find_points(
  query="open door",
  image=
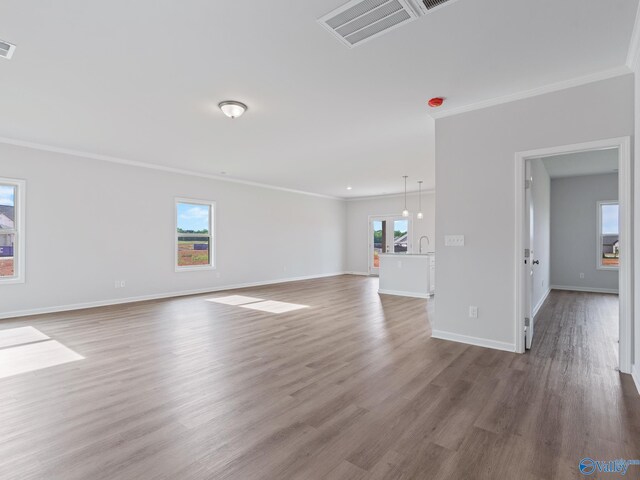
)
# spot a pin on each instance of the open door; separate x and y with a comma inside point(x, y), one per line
point(529, 258)
point(378, 243)
point(387, 234)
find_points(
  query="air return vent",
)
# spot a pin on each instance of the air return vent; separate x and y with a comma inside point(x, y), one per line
point(430, 4)
point(6, 49)
point(361, 20)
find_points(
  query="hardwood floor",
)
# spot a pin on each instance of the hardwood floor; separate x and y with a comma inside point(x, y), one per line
point(352, 387)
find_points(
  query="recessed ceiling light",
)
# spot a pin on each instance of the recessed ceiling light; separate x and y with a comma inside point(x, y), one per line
point(349, 187)
point(6, 49)
point(232, 109)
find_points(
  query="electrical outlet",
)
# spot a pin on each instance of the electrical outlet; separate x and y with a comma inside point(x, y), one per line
point(473, 311)
point(454, 240)
point(581, 275)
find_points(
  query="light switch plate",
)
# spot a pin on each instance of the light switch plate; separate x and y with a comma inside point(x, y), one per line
point(454, 240)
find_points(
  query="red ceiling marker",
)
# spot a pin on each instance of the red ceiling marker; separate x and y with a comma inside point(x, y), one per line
point(436, 102)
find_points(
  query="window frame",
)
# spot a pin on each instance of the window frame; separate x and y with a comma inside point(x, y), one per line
point(19, 230)
point(211, 235)
point(599, 234)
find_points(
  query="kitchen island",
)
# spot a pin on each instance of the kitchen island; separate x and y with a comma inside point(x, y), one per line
point(407, 274)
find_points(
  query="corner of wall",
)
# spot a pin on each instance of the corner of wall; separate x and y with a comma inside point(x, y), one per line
point(635, 374)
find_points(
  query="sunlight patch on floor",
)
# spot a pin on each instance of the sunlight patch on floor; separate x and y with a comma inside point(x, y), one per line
point(234, 300)
point(273, 306)
point(20, 335)
point(26, 349)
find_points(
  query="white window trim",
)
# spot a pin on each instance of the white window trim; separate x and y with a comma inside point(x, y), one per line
point(212, 235)
point(599, 265)
point(19, 250)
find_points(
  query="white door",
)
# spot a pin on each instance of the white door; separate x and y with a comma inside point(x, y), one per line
point(529, 255)
point(387, 234)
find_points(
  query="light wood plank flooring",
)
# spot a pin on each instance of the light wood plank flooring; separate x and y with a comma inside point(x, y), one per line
point(352, 387)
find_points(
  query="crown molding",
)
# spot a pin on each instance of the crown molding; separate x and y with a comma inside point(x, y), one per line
point(151, 166)
point(633, 54)
point(413, 193)
point(553, 87)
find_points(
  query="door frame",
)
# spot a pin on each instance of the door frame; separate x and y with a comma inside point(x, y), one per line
point(529, 242)
point(623, 144)
point(392, 217)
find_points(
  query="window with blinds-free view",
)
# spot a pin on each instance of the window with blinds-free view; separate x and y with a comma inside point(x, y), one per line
point(194, 246)
point(11, 231)
point(608, 235)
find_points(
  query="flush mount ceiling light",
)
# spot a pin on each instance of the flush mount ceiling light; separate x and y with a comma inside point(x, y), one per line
point(349, 187)
point(405, 212)
point(232, 109)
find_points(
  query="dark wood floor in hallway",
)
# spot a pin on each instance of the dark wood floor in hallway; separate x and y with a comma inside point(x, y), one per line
point(352, 387)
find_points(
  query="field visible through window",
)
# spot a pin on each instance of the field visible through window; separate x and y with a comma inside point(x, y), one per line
point(193, 252)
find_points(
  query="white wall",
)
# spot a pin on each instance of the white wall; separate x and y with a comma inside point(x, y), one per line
point(91, 222)
point(475, 194)
point(574, 227)
point(358, 212)
point(541, 193)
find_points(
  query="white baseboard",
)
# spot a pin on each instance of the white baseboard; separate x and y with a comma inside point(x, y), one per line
point(404, 294)
point(584, 289)
point(156, 296)
point(635, 374)
point(364, 274)
point(480, 342)
point(537, 308)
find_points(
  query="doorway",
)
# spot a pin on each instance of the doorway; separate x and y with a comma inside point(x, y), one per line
point(527, 257)
point(387, 234)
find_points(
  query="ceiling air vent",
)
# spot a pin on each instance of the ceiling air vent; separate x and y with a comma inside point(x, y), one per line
point(361, 20)
point(6, 49)
point(430, 4)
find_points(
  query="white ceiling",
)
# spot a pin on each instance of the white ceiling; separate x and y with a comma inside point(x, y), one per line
point(140, 80)
point(582, 163)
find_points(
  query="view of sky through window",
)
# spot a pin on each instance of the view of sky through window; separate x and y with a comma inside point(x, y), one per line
point(193, 217)
point(609, 219)
point(7, 195)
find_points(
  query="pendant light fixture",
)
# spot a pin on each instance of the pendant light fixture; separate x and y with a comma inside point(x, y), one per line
point(420, 214)
point(405, 212)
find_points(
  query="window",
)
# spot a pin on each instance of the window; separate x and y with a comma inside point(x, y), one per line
point(12, 231)
point(608, 236)
point(194, 234)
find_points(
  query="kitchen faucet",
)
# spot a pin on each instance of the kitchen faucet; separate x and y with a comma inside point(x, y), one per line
point(420, 242)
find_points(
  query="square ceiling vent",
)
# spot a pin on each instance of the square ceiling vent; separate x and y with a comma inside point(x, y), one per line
point(362, 20)
point(6, 49)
